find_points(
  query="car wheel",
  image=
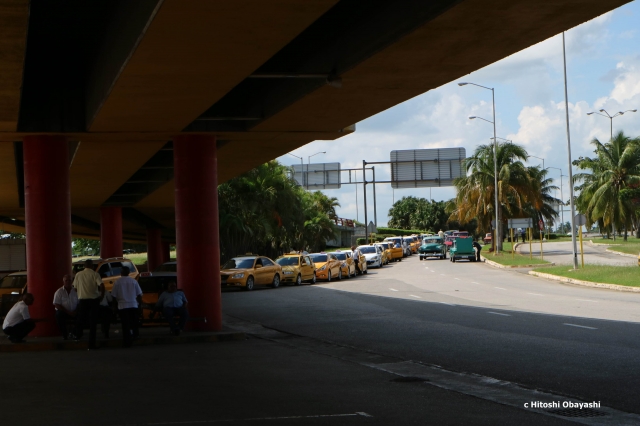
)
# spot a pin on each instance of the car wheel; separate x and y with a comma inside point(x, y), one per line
point(249, 285)
point(276, 281)
point(329, 276)
point(298, 280)
point(314, 279)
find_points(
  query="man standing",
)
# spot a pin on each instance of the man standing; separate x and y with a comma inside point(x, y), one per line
point(129, 295)
point(355, 253)
point(171, 303)
point(65, 300)
point(18, 323)
point(90, 290)
point(441, 234)
point(478, 248)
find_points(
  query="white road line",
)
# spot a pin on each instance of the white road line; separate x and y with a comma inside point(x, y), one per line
point(473, 282)
point(500, 288)
point(457, 279)
point(587, 300)
point(417, 297)
point(445, 303)
point(581, 326)
point(432, 270)
point(442, 275)
point(536, 294)
point(498, 313)
point(392, 289)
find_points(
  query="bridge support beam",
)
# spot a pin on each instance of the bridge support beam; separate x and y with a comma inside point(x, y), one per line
point(110, 232)
point(154, 249)
point(48, 224)
point(196, 194)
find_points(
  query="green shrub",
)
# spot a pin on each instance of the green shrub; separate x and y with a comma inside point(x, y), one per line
point(361, 241)
point(398, 232)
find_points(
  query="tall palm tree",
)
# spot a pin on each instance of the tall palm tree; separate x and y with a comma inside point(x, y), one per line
point(475, 197)
point(615, 168)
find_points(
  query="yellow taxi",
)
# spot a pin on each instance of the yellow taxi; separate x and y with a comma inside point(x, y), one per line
point(109, 269)
point(12, 287)
point(347, 265)
point(396, 248)
point(415, 243)
point(328, 266)
point(386, 252)
point(250, 270)
point(297, 268)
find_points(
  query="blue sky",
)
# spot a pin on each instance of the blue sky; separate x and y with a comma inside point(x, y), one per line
point(603, 68)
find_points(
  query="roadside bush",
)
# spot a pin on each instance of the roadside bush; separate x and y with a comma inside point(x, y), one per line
point(553, 236)
point(361, 241)
point(398, 232)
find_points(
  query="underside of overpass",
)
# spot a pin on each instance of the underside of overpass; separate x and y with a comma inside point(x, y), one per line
point(117, 83)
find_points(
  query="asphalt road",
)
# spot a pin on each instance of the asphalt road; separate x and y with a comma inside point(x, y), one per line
point(468, 317)
point(561, 253)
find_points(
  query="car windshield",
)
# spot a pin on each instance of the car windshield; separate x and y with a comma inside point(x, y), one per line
point(16, 281)
point(341, 256)
point(288, 261)
point(318, 258)
point(367, 249)
point(167, 267)
point(239, 263)
point(432, 240)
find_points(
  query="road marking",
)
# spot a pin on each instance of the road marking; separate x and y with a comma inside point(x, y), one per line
point(457, 279)
point(581, 326)
point(316, 416)
point(392, 289)
point(442, 275)
point(536, 294)
point(473, 282)
point(498, 313)
point(500, 288)
point(445, 303)
point(417, 297)
point(587, 300)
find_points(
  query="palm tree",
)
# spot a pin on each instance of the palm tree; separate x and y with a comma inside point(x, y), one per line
point(516, 189)
point(542, 207)
point(615, 168)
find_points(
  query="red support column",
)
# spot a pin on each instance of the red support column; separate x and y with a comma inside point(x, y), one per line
point(110, 232)
point(166, 252)
point(48, 223)
point(154, 249)
point(196, 186)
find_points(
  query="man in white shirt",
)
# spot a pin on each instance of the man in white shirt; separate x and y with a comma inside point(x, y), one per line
point(18, 323)
point(65, 300)
point(90, 290)
point(128, 293)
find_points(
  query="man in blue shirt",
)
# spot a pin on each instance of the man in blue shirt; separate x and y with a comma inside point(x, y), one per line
point(172, 302)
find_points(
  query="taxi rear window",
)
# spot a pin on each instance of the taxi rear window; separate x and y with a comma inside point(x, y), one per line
point(239, 263)
point(319, 257)
point(288, 261)
point(16, 281)
point(341, 256)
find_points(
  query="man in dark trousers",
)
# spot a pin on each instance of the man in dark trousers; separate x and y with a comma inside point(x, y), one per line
point(478, 248)
point(90, 291)
point(129, 296)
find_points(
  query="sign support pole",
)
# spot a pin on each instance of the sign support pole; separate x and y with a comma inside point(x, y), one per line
point(364, 186)
point(513, 250)
point(581, 248)
point(530, 232)
point(541, 254)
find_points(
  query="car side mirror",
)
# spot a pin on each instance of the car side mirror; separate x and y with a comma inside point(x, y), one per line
point(258, 266)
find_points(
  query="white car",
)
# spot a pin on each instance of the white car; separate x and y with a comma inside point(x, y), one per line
point(373, 254)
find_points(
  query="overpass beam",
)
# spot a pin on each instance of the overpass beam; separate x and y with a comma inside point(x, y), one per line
point(48, 223)
point(196, 194)
point(154, 248)
point(110, 232)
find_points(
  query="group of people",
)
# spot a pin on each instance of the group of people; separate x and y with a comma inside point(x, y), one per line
point(83, 301)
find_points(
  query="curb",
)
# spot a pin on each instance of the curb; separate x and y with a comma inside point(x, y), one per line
point(499, 266)
point(621, 254)
point(585, 283)
point(35, 346)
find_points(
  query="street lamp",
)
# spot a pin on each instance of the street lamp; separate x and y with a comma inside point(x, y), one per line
point(301, 166)
point(611, 117)
point(495, 155)
point(540, 158)
point(309, 162)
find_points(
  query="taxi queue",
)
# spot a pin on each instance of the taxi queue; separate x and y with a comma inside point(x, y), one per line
point(251, 270)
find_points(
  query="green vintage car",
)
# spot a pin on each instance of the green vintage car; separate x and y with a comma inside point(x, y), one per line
point(432, 247)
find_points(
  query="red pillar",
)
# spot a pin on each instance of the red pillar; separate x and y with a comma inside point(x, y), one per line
point(154, 249)
point(196, 186)
point(110, 232)
point(48, 223)
point(166, 252)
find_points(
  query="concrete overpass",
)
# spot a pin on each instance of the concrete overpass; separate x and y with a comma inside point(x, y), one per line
point(119, 118)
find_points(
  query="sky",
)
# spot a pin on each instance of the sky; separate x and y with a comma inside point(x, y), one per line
point(603, 71)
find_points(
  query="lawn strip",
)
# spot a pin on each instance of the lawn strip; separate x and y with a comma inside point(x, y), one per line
point(628, 276)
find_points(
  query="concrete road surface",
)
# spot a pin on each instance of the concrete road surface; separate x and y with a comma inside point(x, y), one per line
point(562, 254)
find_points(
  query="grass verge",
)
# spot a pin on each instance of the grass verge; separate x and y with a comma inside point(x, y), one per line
point(506, 259)
point(621, 275)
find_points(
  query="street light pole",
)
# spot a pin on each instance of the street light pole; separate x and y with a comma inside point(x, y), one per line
point(540, 158)
point(309, 162)
point(495, 160)
point(301, 166)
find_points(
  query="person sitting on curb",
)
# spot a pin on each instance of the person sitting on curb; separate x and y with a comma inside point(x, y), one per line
point(172, 302)
point(65, 300)
point(18, 323)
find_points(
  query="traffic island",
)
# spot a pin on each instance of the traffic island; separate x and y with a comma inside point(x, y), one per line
point(506, 261)
point(156, 336)
point(620, 278)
